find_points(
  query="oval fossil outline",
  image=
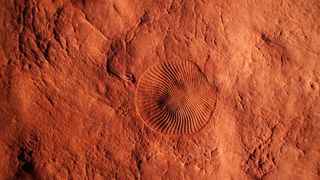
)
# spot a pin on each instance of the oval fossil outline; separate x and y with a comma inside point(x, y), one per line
point(174, 97)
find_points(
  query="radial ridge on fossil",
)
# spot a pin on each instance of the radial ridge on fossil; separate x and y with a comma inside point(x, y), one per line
point(174, 97)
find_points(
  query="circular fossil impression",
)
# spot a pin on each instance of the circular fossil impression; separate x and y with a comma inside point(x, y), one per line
point(175, 97)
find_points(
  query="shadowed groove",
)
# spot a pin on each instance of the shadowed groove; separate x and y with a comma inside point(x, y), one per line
point(179, 125)
point(173, 72)
point(170, 128)
point(161, 121)
point(154, 118)
point(174, 97)
point(166, 123)
point(196, 123)
point(201, 111)
point(169, 124)
point(186, 111)
point(166, 81)
point(158, 119)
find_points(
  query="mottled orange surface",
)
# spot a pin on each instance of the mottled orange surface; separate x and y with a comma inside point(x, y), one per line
point(69, 71)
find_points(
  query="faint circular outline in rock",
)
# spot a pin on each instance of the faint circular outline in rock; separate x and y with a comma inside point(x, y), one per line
point(174, 97)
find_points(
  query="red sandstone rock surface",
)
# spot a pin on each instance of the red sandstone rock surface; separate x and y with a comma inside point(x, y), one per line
point(69, 71)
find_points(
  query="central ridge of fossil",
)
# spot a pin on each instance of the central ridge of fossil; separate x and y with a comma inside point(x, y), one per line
point(174, 97)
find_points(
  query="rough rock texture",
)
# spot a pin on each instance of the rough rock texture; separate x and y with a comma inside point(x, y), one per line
point(69, 71)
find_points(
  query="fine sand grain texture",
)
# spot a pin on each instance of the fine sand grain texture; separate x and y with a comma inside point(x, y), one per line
point(160, 89)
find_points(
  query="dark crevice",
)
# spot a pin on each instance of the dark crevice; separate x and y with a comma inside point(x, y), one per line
point(56, 26)
point(144, 19)
point(42, 46)
point(26, 164)
point(266, 39)
point(113, 51)
point(21, 45)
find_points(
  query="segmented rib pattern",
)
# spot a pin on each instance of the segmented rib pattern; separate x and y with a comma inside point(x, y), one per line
point(174, 97)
